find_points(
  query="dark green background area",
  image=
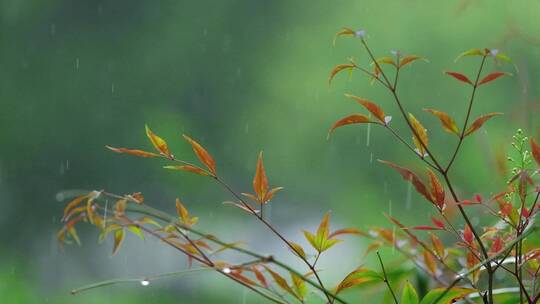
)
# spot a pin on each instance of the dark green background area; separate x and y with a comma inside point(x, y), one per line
point(240, 77)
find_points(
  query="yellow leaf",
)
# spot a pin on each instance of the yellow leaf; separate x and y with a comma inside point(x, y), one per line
point(411, 58)
point(420, 139)
point(344, 32)
point(203, 155)
point(298, 249)
point(281, 282)
point(159, 144)
point(447, 122)
point(118, 239)
point(430, 262)
point(370, 106)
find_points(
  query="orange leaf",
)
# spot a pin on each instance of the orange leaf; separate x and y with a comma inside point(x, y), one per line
point(158, 142)
point(447, 122)
point(430, 262)
point(270, 194)
point(468, 234)
point(281, 282)
point(346, 231)
point(182, 211)
point(411, 177)
point(344, 32)
point(460, 77)
point(188, 168)
point(338, 68)
point(139, 153)
point(370, 106)
point(260, 277)
point(437, 190)
point(202, 154)
point(437, 245)
point(420, 139)
point(74, 203)
point(438, 223)
point(411, 58)
point(260, 181)
point(491, 77)
point(535, 151)
point(477, 124)
point(351, 119)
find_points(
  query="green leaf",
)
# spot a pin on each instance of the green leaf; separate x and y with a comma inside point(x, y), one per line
point(409, 295)
point(311, 239)
point(452, 294)
point(471, 52)
point(136, 230)
point(118, 239)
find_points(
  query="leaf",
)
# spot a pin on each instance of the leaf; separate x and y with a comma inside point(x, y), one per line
point(260, 277)
point(409, 59)
point(188, 168)
point(299, 285)
point(420, 139)
point(468, 234)
point(437, 190)
point(281, 282)
point(438, 223)
point(344, 32)
point(260, 181)
point(371, 107)
point(346, 231)
point(453, 294)
point(242, 278)
point(159, 144)
point(338, 68)
point(503, 57)
point(385, 60)
point(270, 194)
point(411, 177)
point(471, 52)
point(491, 77)
point(535, 151)
point(425, 228)
point(357, 277)
point(477, 124)
point(310, 237)
point(136, 230)
point(202, 154)
point(139, 153)
point(459, 77)
point(118, 239)
point(71, 205)
point(437, 245)
point(351, 119)
point(297, 249)
point(409, 295)
point(447, 122)
point(73, 233)
point(182, 212)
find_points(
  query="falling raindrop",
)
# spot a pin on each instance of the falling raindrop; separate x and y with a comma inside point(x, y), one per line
point(112, 88)
point(368, 135)
point(145, 282)
point(408, 198)
point(77, 63)
point(244, 295)
point(53, 29)
point(371, 158)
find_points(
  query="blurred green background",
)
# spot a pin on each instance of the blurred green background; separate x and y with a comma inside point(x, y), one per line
point(240, 77)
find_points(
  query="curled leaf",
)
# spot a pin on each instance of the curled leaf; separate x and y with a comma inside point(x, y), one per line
point(357, 277)
point(202, 154)
point(460, 77)
point(491, 77)
point(281, 282)
point(159, 143)
point(139, 153)
point(351, 119)
point(338, 68)
point(471, 52)
point(118, 239)
point(371, 107)
point(385, 60)
point(409, 59)
point(447, 122)
point(477, 124)
point(344, 32)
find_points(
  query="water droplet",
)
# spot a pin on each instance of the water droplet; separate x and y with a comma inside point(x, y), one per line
point(145, 282)
point(368, 134)
point(226, 270)
point(112, 88)
point(77, 63)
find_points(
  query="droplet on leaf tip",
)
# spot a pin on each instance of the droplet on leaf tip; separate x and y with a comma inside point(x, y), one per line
point(145, 282)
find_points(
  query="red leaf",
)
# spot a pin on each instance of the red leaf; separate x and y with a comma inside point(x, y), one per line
point(139, 153)
point(438, 223)
point(497, 245)
point(468, 235)
point(535, 151)
point(425, 228)
point(479, 122)
point(460, 77)
point(413, 178)
point(491, 77)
